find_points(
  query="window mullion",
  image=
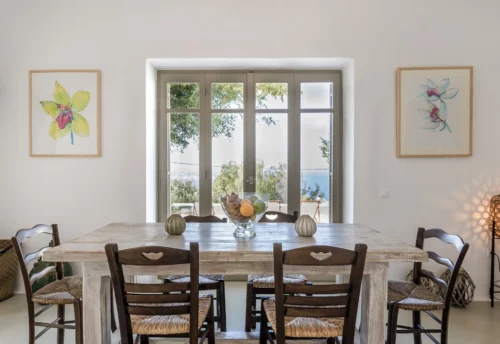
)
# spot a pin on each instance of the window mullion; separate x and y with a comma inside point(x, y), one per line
point(249, 165)
point(294, 147)
point(163, 155)
point(336, 179)
point(205, 190)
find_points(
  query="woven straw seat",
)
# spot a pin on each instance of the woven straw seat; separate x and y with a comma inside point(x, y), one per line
point(299, 327)
point(267, 281)
point(203, 279)
point(60, 292)
point(169, 324)
point(413, 297)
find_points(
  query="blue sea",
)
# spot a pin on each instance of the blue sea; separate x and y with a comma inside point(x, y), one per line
point(317, 177)
point(311, 177)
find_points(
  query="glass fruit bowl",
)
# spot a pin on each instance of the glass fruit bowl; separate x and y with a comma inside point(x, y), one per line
point(244, 210)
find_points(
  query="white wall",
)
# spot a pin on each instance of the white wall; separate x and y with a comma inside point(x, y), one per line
point(118, 36)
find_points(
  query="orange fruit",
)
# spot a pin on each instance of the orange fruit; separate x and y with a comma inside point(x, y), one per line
point(246, 210)
point(245, 201)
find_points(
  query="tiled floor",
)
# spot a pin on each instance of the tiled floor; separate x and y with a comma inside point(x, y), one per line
point(476, 324)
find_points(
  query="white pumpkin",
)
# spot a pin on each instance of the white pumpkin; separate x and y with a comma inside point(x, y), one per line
point(305, 226)
point(175, 225)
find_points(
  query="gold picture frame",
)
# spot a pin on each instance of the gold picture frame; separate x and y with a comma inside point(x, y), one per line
point(430, 101)
point(65, 113)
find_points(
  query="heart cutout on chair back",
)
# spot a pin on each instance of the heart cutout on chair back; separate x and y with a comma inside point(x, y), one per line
point(152, 255)
point(321, 255)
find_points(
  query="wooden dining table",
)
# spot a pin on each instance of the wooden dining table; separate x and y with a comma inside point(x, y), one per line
point(221, 253)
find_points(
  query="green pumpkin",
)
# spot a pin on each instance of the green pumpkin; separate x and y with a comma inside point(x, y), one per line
point(175, 225)
point(42, 282)
point(305, 226)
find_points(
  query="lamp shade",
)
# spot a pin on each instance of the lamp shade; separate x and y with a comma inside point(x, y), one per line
point(495, 213)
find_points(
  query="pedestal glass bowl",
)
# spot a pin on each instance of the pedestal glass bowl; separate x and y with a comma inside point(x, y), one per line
point(244, 210)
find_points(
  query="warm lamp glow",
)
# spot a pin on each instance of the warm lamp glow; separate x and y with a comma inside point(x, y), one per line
point(495, 213)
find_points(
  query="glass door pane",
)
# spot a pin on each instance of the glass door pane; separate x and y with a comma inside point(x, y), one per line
point(227, 95)
point(316, 95)
point(271, 95)
point(184, 163)
point(272, 156)
point(227, 157)
point(315, 165)
point(183, 95)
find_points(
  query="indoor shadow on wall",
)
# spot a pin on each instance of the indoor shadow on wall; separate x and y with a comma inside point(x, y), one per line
point(470, 208)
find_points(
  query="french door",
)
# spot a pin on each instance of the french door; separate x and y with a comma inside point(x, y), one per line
point(278, 133)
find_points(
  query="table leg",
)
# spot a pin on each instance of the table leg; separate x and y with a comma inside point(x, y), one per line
point(374, 304)
point(96, 307)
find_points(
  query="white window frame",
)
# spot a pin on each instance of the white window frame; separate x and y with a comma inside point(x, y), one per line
point(249, 80)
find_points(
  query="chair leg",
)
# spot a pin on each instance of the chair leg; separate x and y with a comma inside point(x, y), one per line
point(248, 313)
point(31, 322)
point(77, 304)
point(444, 326)
point(113, 320)
point(143, 339)
point(254, 306)
point(32, 332)
point(217, 308)
point(417, 337)
point(60, 331)
point(392, 323)
point(221, 302)
point(263, 328)
point(211, 325)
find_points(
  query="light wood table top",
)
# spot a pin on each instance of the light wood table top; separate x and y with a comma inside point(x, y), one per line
point(217, 243)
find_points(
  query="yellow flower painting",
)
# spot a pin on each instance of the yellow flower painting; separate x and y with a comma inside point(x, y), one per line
point(66, 112)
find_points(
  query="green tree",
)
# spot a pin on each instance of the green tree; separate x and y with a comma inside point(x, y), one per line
point(183, 191)
point(324, 147)
point(229, 180)
point(309, 194)
point(271, 181)
point(185, 127)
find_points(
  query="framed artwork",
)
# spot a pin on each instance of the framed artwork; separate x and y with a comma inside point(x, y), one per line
point(65, 113)
point(434, 112)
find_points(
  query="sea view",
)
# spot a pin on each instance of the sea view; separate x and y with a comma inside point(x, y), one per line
point(309, 177)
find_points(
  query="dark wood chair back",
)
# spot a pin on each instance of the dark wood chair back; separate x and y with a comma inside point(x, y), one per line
point(462, 249)
point(143, 299)
point(26, 258)
point(205, 219)
point(277, 216)
point(342, 300)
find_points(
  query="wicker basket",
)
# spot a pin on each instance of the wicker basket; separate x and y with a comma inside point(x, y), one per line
point(8, 269)
point(427, 283)
point(464, 288)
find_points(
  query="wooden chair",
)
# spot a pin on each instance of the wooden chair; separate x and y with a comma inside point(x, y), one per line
point(208, 282)
point(276, 217)
point(63, 291)
point(412, 296)
point(259, 285)
point(297, 312)
point(171, 309)
point(205, 219)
